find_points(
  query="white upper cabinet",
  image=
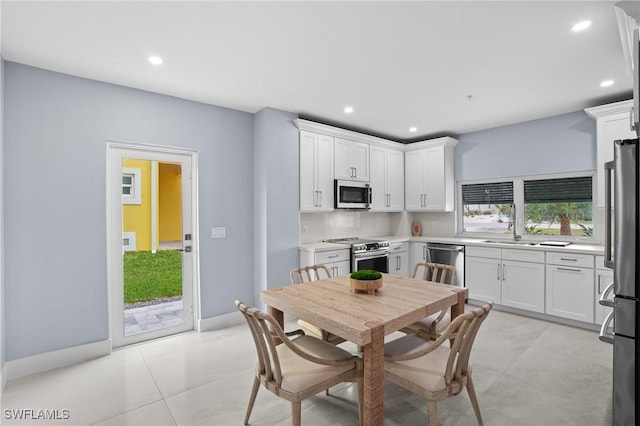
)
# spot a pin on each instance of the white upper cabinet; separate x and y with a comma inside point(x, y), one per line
point(351, 160)
point(429, 176)
point(316, 172)
point(613, 122)
point(387, 179)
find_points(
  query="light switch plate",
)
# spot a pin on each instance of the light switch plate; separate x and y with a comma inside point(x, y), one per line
point(219, 232)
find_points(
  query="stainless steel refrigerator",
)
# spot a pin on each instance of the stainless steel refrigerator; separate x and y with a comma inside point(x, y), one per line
point(621, 255)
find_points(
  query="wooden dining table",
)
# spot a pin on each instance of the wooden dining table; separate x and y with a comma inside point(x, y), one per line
point(365, 319)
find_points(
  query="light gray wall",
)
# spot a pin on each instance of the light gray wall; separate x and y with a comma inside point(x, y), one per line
point(555, 144)
point(56, 130)
point(276, 198)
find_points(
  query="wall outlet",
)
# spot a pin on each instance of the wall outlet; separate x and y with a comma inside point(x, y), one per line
point(219, 232)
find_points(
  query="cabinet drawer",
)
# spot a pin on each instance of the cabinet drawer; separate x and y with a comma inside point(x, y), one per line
point(489, 252)
point(523, 255)
point(570, 259)
point(399, 248)
point(333, 256)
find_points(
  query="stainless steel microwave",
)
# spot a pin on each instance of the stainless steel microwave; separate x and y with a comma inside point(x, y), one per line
point(352, 195)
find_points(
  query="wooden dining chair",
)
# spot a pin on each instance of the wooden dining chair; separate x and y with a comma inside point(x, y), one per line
point(307, 274)
point(298, 368)
point(431, 326)
point(437, 369)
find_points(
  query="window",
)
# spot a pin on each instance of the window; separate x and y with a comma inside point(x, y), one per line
point(559, 206)
point(131, 186)
point(487, 207)
point(543, 206)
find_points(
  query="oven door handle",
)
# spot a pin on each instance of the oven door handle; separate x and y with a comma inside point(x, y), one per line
point(372, 253)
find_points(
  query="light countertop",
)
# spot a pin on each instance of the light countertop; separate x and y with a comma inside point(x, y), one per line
point(575, 247)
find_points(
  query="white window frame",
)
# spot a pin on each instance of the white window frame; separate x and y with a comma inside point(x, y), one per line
point(131, 238)
point(518, 200)
point(136, 187)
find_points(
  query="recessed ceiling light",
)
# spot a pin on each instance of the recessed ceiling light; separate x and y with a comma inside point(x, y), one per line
point(348, 109)
point(155, 60)
point(581, 26)
point(607, 83)
point(413, 129)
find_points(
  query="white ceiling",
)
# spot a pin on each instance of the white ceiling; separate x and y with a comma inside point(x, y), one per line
point(399, 64)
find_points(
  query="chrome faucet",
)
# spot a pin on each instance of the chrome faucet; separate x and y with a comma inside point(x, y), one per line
point(516, 236)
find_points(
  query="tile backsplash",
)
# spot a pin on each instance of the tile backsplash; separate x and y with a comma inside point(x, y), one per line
point(338, 224)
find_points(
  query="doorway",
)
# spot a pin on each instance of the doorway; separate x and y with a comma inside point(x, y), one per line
point(152, 248)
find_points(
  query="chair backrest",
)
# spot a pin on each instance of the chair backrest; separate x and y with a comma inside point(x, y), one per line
point(259, 322)
point(308, 273)
point(465, 328)
point(462, 331)
point(444, 274)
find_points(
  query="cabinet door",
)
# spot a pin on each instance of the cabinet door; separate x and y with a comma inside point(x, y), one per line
point(418, 254)
point(395, 180)
point(523, 285)
point(324, 173)
point(378, 178)
point(482, 277)
point(414, 181)
point(610, 128)
point(308, 190)
point(399, 264)
point(570, 292)
point(359, 155)
point(603, 279)
point(342, 165)
point(339, 268)
point(351, 160)
point(435, 179)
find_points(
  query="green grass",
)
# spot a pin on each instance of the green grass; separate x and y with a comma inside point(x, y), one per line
point(149, 276)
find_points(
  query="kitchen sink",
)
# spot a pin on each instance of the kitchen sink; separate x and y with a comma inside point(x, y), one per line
point(518, 243)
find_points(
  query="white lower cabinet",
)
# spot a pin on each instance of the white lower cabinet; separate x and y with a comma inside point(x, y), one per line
point(418, 254)
point(523, 285)
point(570, 286)
point(399, 259)
point(508, 277)
point(482, 278)
point(338, 262)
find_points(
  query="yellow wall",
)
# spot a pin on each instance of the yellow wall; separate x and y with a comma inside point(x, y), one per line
point(137, 217)
point(170, 202)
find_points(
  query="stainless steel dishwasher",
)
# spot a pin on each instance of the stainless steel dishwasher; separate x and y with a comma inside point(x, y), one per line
point(448, 254)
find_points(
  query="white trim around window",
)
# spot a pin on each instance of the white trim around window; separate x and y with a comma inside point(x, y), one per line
point(518, 199)
point(134, 189)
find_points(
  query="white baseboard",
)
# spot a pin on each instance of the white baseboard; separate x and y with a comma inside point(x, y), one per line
point(55, 359)
point(3, 376)
point(220, 321)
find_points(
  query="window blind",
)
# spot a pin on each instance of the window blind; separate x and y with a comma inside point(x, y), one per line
point(488, 193)
point(565, 190)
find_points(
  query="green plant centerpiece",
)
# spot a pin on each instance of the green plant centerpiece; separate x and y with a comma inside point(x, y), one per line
point(365, 281)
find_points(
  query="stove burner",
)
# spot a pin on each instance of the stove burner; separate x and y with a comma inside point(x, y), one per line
point(361, 245)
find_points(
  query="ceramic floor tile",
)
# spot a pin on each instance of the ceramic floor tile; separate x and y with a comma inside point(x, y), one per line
point(154, 414)
point(526, 372)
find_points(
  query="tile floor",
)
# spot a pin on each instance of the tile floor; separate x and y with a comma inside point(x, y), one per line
point(526, 371)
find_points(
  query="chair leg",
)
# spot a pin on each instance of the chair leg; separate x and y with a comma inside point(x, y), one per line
point(252, 399)
point(474, 400)
point(432, 408)
point(296, 413)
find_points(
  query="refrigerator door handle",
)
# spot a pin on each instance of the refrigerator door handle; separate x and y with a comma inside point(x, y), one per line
point(604, 301)
point(604, 336)
point(608, 255)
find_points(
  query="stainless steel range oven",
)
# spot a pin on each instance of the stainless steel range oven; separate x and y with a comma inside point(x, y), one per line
point(367, 254)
